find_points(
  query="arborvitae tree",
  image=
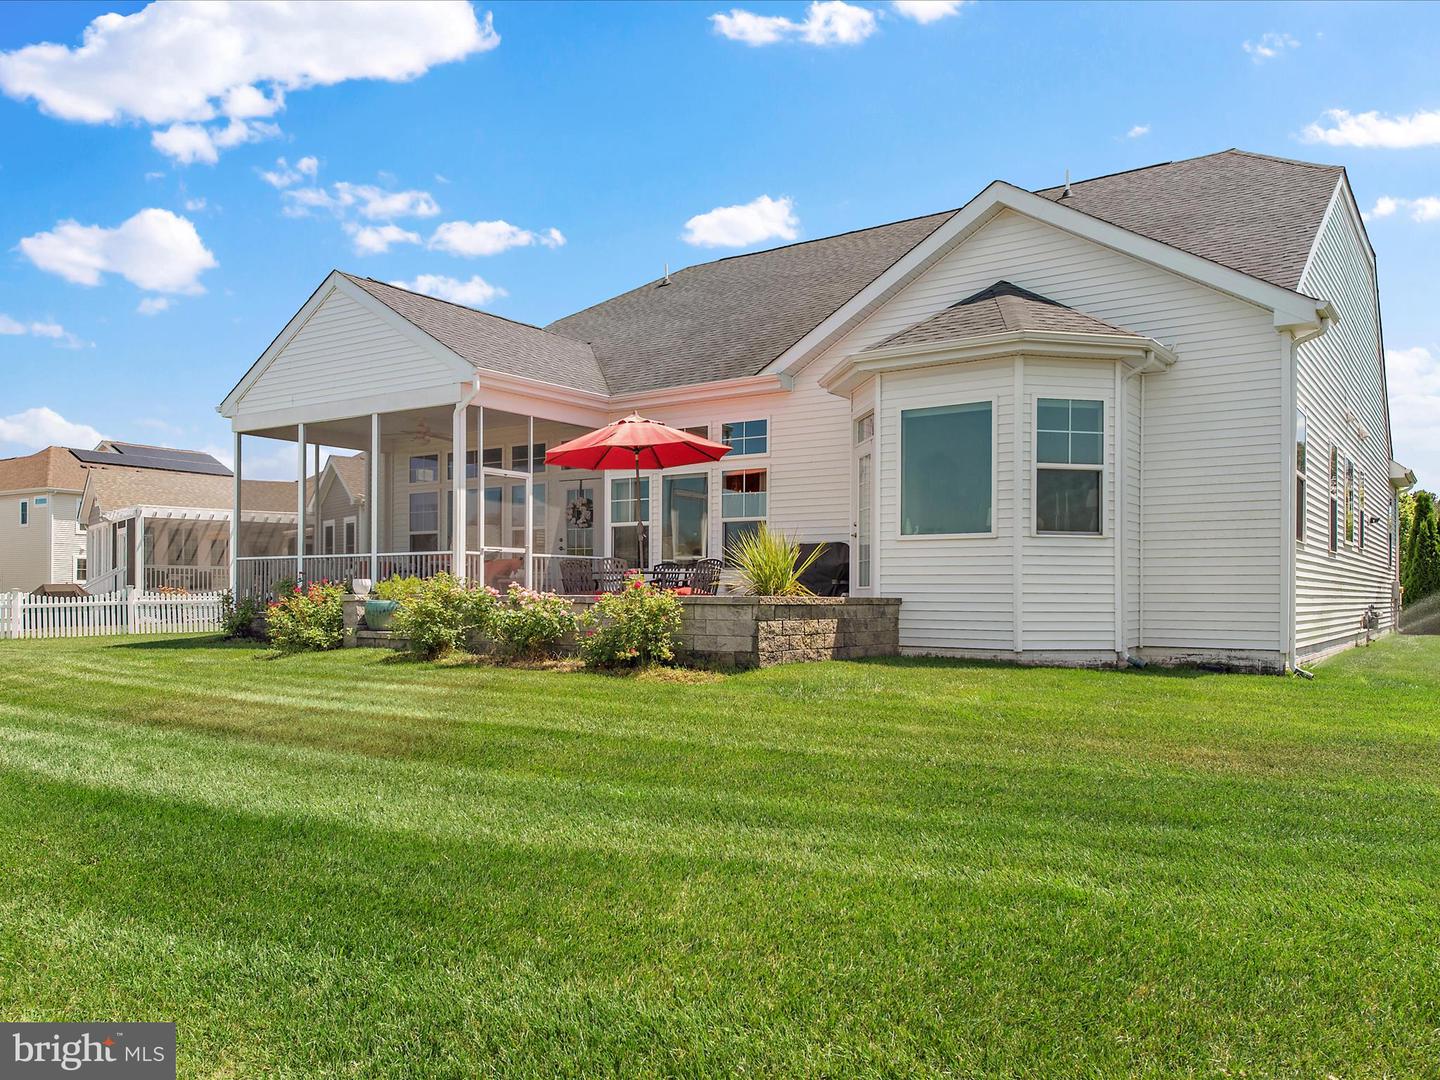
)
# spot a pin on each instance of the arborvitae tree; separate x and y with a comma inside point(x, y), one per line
point(1420, 569)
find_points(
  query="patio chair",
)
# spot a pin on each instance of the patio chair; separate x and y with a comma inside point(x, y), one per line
point(669, 575)
point(576, 577)
point(610, 574)
point(705, 577)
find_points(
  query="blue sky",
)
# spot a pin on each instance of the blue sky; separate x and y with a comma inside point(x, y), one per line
point(615, 125)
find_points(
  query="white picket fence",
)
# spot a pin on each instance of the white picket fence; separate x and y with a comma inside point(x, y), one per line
point(128, 612)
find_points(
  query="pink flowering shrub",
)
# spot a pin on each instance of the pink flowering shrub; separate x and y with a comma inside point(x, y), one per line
point(529, 624)
point(635, 627)
point(306, 619)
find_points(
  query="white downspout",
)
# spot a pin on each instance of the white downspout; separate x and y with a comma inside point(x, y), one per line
point(1290, 343)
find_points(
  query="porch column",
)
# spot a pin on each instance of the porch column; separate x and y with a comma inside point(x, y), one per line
point(235, 523)
point(300, 505)
point(140, 549)
point(373, 498)
point(457, 488)
point(530, 504)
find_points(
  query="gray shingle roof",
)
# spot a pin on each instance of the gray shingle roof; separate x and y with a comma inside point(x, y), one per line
point(732, 317)
point(489, 341)
point(1250, 212)
point(995, 310)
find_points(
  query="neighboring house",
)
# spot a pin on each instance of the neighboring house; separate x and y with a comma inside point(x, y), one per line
point(159, 518)
point(42, 539)
point(1142, 415)
point(340, 514)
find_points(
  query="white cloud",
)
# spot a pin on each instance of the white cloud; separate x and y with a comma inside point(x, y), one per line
point(827, 22)
point(740, 226)
point(41, 427)
point(154, 305)
point(1371, 130)
point(928, 11)
point(378, 239)
point(1139, 131)
point(1424, 209)
point(283, 175)
point(471, 239)
point(206, 76)
point(51, 330)
point(195, 204)
point(1269, 46)
point(472, 293)
point(1413, 379)
point(367, 200)
point(156, 250)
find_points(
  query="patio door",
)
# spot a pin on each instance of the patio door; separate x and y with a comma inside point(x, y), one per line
point(862, 549)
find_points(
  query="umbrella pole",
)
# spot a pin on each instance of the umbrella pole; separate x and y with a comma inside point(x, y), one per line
point(639, 525)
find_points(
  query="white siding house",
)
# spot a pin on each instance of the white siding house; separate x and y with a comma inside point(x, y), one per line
point(42, 540)
point(1059, 425)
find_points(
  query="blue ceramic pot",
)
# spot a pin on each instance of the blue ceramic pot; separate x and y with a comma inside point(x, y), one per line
point(378, 613)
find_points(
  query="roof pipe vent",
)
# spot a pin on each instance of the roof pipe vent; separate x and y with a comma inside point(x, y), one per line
point(1066, 193)
point(666, 279)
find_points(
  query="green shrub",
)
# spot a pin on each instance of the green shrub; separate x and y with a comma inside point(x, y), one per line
point(635, 627)
point(396, 588)
point(441, 614)
point(530, 624)
point(237, 618)
point(307, 619)
point(768, 563)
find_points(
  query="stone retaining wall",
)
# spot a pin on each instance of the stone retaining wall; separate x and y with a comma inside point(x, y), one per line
point(746, 631)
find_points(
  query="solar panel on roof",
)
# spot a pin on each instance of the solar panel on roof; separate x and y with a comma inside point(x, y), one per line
point(176, 461)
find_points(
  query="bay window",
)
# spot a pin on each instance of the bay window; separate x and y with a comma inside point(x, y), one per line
point(1069, 463)
point(947, 481)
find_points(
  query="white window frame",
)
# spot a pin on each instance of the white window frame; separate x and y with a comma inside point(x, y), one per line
point(720, 493)
point(709, 483)
point(410, 460)
point(411, 532)
point(1301, 524)
point(327, 533)
point(81, 568)
point(735, 455)
point(1036, 465)
point(351, 522)
point(923, 538)
point(24, 514)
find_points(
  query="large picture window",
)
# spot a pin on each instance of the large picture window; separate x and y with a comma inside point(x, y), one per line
point(1069, 465)
point(686, 522)
point(947, 457)
point(744, 504)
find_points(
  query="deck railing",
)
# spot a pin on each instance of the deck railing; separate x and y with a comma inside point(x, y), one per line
point(339, 568)
point(108, 582)
point(189, 578)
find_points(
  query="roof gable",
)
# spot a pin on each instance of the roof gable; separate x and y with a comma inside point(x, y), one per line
point(998, 309)
point(53, 469)
point(491, 342)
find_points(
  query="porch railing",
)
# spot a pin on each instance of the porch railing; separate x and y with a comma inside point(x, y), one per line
point(257, 575)
point(108, 582)
point(338, 568)
point(190, 578)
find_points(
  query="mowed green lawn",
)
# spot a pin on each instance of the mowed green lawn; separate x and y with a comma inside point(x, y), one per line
point(352, 865)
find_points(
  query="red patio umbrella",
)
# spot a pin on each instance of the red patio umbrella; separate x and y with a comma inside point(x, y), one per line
point(637, 443)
